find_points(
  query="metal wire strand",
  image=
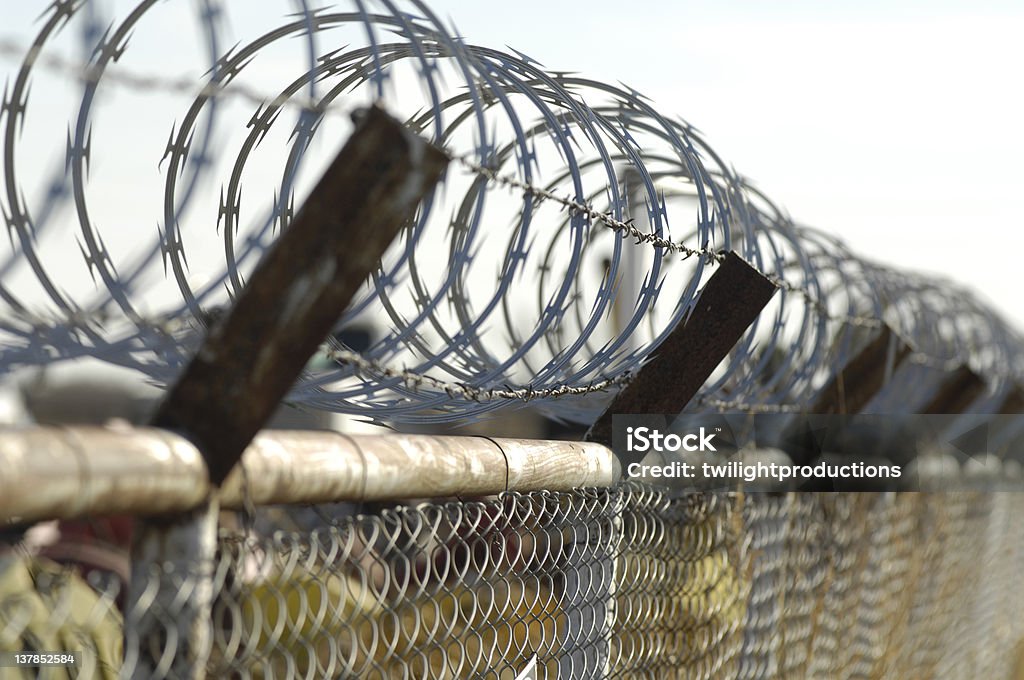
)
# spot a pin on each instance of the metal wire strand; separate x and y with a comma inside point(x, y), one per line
point(573, 233)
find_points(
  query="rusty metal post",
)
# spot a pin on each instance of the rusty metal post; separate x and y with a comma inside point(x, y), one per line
point(847, 392)
point(727, 306)
point(299, 290)
point(956, 393)
point(856, 383)
point(729, 303)
point(1007, 436)
point(252, 357)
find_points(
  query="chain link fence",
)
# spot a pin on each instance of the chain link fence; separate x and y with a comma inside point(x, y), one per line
point(627, 582)
point(562, 185)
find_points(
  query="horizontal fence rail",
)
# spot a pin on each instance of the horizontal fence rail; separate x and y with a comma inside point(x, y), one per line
point(67, 472)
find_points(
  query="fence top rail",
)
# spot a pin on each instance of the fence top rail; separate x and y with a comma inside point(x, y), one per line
point(56, 473)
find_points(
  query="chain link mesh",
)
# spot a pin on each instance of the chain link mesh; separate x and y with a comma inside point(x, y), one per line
point(629, 582)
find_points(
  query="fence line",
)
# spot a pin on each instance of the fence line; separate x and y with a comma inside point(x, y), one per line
point(549, 267)
point(621, 582)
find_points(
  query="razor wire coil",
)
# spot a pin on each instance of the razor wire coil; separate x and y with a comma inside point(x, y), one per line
point(571, 235)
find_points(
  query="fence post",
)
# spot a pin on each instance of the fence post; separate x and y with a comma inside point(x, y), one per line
point(859, 380)
point(251, 358)
point(956, 392)
point(729, 303)
point(168, 625)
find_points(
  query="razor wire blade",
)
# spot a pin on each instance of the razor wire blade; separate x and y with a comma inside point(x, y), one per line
point(573, 232)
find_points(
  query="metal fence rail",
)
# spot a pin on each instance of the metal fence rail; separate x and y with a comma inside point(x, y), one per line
point(66, 472)
point(619, 581)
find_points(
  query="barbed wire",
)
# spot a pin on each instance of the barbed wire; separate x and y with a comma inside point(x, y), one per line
point(567, 179)
point(417, 381)
point(573, 207)
point(154, 81)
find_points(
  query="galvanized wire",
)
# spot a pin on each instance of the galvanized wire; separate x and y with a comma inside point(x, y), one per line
point(629, 582)
point(573, 232)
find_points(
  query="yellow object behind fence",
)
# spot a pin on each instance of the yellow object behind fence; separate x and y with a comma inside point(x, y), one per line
point(45, 607)
point(313, 625)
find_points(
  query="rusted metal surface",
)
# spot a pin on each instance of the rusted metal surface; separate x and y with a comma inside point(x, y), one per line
point(1007, 433)
point(956, 393)
point(848, 392)
point(54, 473)
point(850, 389)
point(300, 288)
point(1013, 403)
point(728, 304)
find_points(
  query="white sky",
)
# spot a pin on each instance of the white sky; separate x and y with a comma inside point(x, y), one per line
point(895, 125)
